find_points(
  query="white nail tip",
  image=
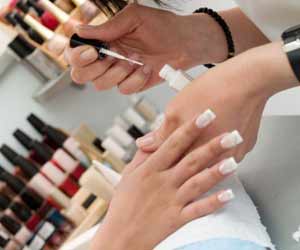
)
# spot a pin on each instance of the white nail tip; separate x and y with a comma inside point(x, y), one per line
point(226, 196)
point(231, 140)
point(205, 118)
point(228, 166)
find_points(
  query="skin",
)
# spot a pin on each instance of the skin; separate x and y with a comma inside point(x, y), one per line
point(133, 32)
point(168, 190)
point(237, 90)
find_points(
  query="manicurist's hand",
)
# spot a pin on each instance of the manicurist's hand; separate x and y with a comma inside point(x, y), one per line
point(154, 37)
point(159, 192)
point(236, 90)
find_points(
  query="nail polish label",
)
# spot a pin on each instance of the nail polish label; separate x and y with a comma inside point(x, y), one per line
point(46, 230)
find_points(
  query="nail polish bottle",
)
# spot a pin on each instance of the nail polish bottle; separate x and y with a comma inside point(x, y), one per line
point(21, 233)
point(25, 8)
point(45, 154)
point(177, 79)
point(113, 146)
point(88, 9)
point(53, 173)
point(46, 18)
point(121, 136)
point(135, 118)
point(95, 212)
point(16, 20)
point(130, 128)
point(33, 222)
point(65, 19)
point(35, 59)
point(60, 139)
point(65, 5)
point(55, 43)
point(96, 183)
point(144, 107)
point(112, 6)
point(92, 146)
point(7, 243)
point(104, 8)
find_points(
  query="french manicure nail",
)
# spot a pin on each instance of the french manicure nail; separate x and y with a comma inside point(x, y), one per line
point(228, 166)
point(231, 140)
point(145, 141)
point(89, 55)
point(226, 196)
point(205, 118)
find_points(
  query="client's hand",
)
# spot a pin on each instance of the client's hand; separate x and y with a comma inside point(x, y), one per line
point(159, 192)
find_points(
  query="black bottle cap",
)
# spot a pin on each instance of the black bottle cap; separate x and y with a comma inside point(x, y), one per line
point(10, 224)
point(29, 168)
point(4, 239)
point(135, 132)
point(31, 198)
point(52, 133)
point(24, 139)
point(13, 182)
point(98, 144)
point(76, 41)
point(21, 47)
point(4, 201)
point(22, 212)
point(41, 149)
point(121, 3)
point(89, 201)
point(20, 21)
point(10, 18)
point(37, 8)
point(23, 6)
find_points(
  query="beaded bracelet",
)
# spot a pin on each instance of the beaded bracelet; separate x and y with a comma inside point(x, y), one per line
point(225, 28)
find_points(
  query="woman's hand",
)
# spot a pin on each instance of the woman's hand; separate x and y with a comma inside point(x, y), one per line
point(160, 192)
point(236, 90)
point(152, 36)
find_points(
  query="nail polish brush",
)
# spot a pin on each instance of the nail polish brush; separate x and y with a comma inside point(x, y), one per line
point(101, 47)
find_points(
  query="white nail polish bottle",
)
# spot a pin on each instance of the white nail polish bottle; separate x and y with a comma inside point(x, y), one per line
point(177, 79)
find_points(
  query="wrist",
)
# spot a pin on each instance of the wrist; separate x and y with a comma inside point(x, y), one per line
point(206, 42)
point(272, 69)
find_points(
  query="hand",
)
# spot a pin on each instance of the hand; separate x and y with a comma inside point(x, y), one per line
point(236, 90)
point(153, 36)
point(159, 192)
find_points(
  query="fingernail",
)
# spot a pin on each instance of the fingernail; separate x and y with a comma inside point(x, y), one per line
point(147, 69)
point(228, 166)
point(146, 140)
point(89, 55)
point(205, 119)
point(231, 140)
point(226, 196)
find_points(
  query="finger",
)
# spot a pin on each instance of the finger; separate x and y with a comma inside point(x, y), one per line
point(114, 75)
point(123, 23)
point(92, 71)
point(138, 159)
point(180, 141)
point(206, 205)
point(136, 80)
point(203, 156)
point(205, 180)
point(81, 56)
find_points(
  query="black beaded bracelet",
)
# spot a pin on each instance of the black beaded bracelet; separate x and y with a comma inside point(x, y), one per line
point(225, 28)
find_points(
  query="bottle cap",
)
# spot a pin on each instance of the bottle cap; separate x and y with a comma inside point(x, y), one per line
point(13, 182)
point(52, 133)
point(167, 72)
point(4, 239)
point(29, 168)
point(20, 21)
point(10, 224)
point(76, 41)
point(10, 18)
point(37, 8)
point(89, 201)
point(21, 211)
point(23, 138)
point(23, 6)
point(4, 201)
point(21, 47)
point(98, 144)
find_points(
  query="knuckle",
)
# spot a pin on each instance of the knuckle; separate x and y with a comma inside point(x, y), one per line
point(191, 160)
point(171, 117)
point(174, 143)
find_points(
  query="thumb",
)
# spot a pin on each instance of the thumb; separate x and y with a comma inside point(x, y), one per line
point(120, 25)
point(153, 140)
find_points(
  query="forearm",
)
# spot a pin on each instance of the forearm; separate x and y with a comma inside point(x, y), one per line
point(208, 43)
